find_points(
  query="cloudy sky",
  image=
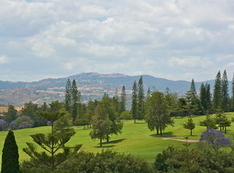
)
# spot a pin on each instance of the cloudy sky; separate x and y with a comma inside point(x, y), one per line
point(173, 39)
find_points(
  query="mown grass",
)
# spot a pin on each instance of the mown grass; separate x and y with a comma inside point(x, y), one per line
point(136, 139)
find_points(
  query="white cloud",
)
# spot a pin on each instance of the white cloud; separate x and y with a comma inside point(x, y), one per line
point(189, 62)
point(3, 59)
point(167, 38)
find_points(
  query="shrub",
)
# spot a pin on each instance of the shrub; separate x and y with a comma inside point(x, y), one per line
point(215, 138)
point(3, 125)
point(21, 123)
point(107, 161)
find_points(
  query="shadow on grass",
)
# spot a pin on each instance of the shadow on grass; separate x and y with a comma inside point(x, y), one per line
point(168, 134)
point(114, 142)
point(108, 146)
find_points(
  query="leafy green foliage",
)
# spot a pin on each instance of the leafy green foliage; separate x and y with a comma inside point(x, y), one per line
point(209, 123)
point(190, 125)
point(11, 114)
point(33, 111)
point(54, 153)
point(157, 116)
point(199, 159)
point(107, 161)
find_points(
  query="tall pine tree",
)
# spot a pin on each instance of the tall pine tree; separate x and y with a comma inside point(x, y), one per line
point(75, 99)
point(141, 99)
point(232, 107)
point(123, 99)
point(224, 92)
point(134, 108)
point(68, 96)
point(217, 99)
point(193, 102)
point(10, 155)
point(205, 97)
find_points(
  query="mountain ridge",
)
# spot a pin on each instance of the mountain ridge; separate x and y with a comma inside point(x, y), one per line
point(92, 86)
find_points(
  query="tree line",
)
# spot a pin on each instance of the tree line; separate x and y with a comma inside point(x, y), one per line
point(157, 108)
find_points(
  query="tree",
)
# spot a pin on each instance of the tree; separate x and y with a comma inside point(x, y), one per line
point(55, 152)
point(134, 109)
point(100, 123)
point(75, 99)
point(33, 111)
point(116, 124)
point(11, 113)
point(148, 93)
point(224, 92)
point(217, 99)
point(172, 101)
point(68, 96)
point(215, 138)
point(141, 100)
point(10, 155)
point(123, 99)
point(193, 103)
point(157, 113)
point(222, 121)
point(205, 97)
point(22, 122)
point(190, 125)
point(232, 99)
point(209, 123)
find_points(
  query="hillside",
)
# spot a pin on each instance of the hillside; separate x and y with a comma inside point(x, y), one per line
point(91, 85)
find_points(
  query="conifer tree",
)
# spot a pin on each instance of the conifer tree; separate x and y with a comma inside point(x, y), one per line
point(232, 93)
point(141, 99)
point(224, 92)
point(68, 96)
point(75, 99)
point(123, 100)
point(55, 152)
point(193, 89)
point(190, 125)
point(205, 97)
point(10, 155)
point(148, 93)
point(194, 105)
point(134, 108)
point(217, 99)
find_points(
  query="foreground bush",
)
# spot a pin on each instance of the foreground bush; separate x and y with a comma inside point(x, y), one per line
point(202, 159)
point(106, 161)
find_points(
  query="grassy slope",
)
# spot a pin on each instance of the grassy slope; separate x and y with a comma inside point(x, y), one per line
point(136, 139)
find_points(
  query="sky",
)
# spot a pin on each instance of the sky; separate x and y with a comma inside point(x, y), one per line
point(172, 39)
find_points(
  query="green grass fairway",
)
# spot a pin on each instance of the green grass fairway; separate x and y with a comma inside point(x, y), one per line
point(136, 139)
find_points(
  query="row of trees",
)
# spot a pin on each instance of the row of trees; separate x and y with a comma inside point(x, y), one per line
point(158, 108)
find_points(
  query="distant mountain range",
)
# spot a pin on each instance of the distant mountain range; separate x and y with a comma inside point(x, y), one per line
point(91, 85)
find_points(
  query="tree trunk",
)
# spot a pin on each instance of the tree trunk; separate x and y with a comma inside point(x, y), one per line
point(157, 130)
point(191, 132)
point(107, 138)
point(100, 142)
